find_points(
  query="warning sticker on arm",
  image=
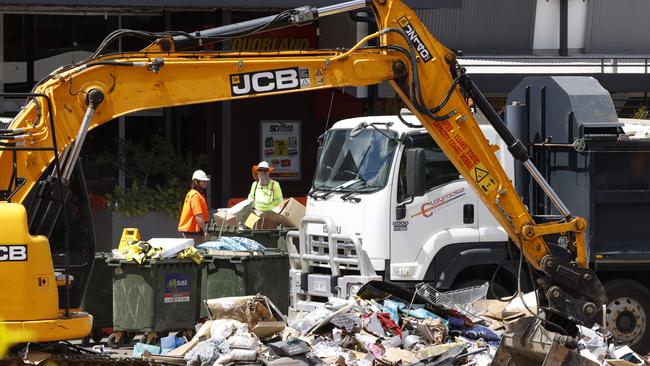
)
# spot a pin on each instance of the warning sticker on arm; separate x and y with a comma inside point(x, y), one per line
point(319, 77)
point(482, 177)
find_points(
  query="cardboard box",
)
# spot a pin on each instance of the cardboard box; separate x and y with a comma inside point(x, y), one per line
point(262, 220)
point(292, 212)
point(288, 214)
point(223, 218)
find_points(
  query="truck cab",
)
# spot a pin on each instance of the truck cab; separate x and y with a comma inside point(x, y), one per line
point(361, 223)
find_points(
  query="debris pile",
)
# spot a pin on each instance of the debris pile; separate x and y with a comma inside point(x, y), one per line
point(386, 325)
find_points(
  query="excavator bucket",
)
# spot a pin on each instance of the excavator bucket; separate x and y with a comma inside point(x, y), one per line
point(526, 342)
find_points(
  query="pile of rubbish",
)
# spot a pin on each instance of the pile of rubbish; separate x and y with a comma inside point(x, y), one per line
point(385, 325)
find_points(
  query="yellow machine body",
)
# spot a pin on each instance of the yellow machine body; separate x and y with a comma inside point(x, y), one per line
point(28, 296)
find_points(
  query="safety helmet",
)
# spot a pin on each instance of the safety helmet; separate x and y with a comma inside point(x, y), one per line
point(200, 175)
point(263, 165)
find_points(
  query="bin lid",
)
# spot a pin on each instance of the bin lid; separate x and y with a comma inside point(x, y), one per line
point(227, 254)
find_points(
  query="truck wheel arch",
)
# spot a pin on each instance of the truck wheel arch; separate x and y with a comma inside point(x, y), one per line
point(453, 261)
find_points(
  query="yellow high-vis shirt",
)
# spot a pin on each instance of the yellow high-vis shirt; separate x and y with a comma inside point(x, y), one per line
point(265, 197)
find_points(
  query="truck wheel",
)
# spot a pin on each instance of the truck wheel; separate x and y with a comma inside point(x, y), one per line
point(627, 313)
point(97, 335)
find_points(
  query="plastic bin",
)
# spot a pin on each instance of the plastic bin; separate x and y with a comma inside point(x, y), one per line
point(98, 298)
point(241, 273)
point(156, 296)
point(270, 238)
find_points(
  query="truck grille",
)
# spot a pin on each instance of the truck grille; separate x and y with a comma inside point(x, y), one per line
point(319, 245)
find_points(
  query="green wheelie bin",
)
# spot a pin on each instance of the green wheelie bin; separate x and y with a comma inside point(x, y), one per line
point(241, 273)
point(98, 298)
point(153, 298)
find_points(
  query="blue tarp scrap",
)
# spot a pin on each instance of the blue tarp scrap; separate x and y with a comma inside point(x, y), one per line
point(393, 307)
point(232, 243)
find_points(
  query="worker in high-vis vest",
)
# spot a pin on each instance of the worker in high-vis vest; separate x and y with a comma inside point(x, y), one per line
point(194, 216)
point(265, 192)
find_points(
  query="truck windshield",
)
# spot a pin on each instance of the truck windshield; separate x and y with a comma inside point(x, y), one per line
point(365, 158)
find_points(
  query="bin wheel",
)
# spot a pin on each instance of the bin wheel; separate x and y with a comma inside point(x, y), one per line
point(127, 338)
point(113, 342)
point(97, 335)
point(85, 342)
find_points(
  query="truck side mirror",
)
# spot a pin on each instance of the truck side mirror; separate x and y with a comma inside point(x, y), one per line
point(415, 172)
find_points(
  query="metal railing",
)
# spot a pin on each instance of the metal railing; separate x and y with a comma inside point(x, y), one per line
point(582, 64)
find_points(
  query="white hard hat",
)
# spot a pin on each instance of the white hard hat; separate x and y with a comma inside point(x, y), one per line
point(263, 165)
point(200, 175)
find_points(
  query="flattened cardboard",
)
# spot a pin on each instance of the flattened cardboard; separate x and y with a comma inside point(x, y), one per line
point(267, 328)
point(201, 334)
point(241, 210)
point(223, 218)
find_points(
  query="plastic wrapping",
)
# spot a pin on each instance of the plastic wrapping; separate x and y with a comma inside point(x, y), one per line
point(204, 353)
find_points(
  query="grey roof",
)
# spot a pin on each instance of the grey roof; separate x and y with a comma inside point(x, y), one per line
point(177, 4)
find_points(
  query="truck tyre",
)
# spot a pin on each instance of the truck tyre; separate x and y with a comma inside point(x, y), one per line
point(627, 313)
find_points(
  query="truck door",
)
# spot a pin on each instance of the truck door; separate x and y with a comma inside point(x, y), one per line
point(445, 214)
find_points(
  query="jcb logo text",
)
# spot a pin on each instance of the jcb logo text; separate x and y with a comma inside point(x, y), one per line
point(264, 81)
point(13, 253)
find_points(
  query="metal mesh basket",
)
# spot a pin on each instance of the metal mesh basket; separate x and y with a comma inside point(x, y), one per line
point(461, 300)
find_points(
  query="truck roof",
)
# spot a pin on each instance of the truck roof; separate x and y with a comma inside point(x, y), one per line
point(397, 126)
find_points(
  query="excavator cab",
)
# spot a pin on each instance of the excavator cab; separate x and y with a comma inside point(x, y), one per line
point(81, 239)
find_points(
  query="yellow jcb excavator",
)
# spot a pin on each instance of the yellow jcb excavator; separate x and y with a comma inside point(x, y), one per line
point(40, 148)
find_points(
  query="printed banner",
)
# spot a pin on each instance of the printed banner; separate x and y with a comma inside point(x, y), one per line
point(280, 142)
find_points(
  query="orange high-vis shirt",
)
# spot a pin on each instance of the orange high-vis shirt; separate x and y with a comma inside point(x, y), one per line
point(194, 205)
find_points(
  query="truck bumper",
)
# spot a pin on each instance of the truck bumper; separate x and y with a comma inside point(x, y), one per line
point(319, 261)
point(308, 291)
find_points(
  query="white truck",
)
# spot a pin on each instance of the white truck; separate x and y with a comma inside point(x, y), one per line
point(362, 224)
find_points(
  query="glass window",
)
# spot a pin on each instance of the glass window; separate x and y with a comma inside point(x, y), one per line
point(439, 170)
point(364, 158)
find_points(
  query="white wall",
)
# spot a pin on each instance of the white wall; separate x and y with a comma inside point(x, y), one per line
point(577, 23)
point(547, 24)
